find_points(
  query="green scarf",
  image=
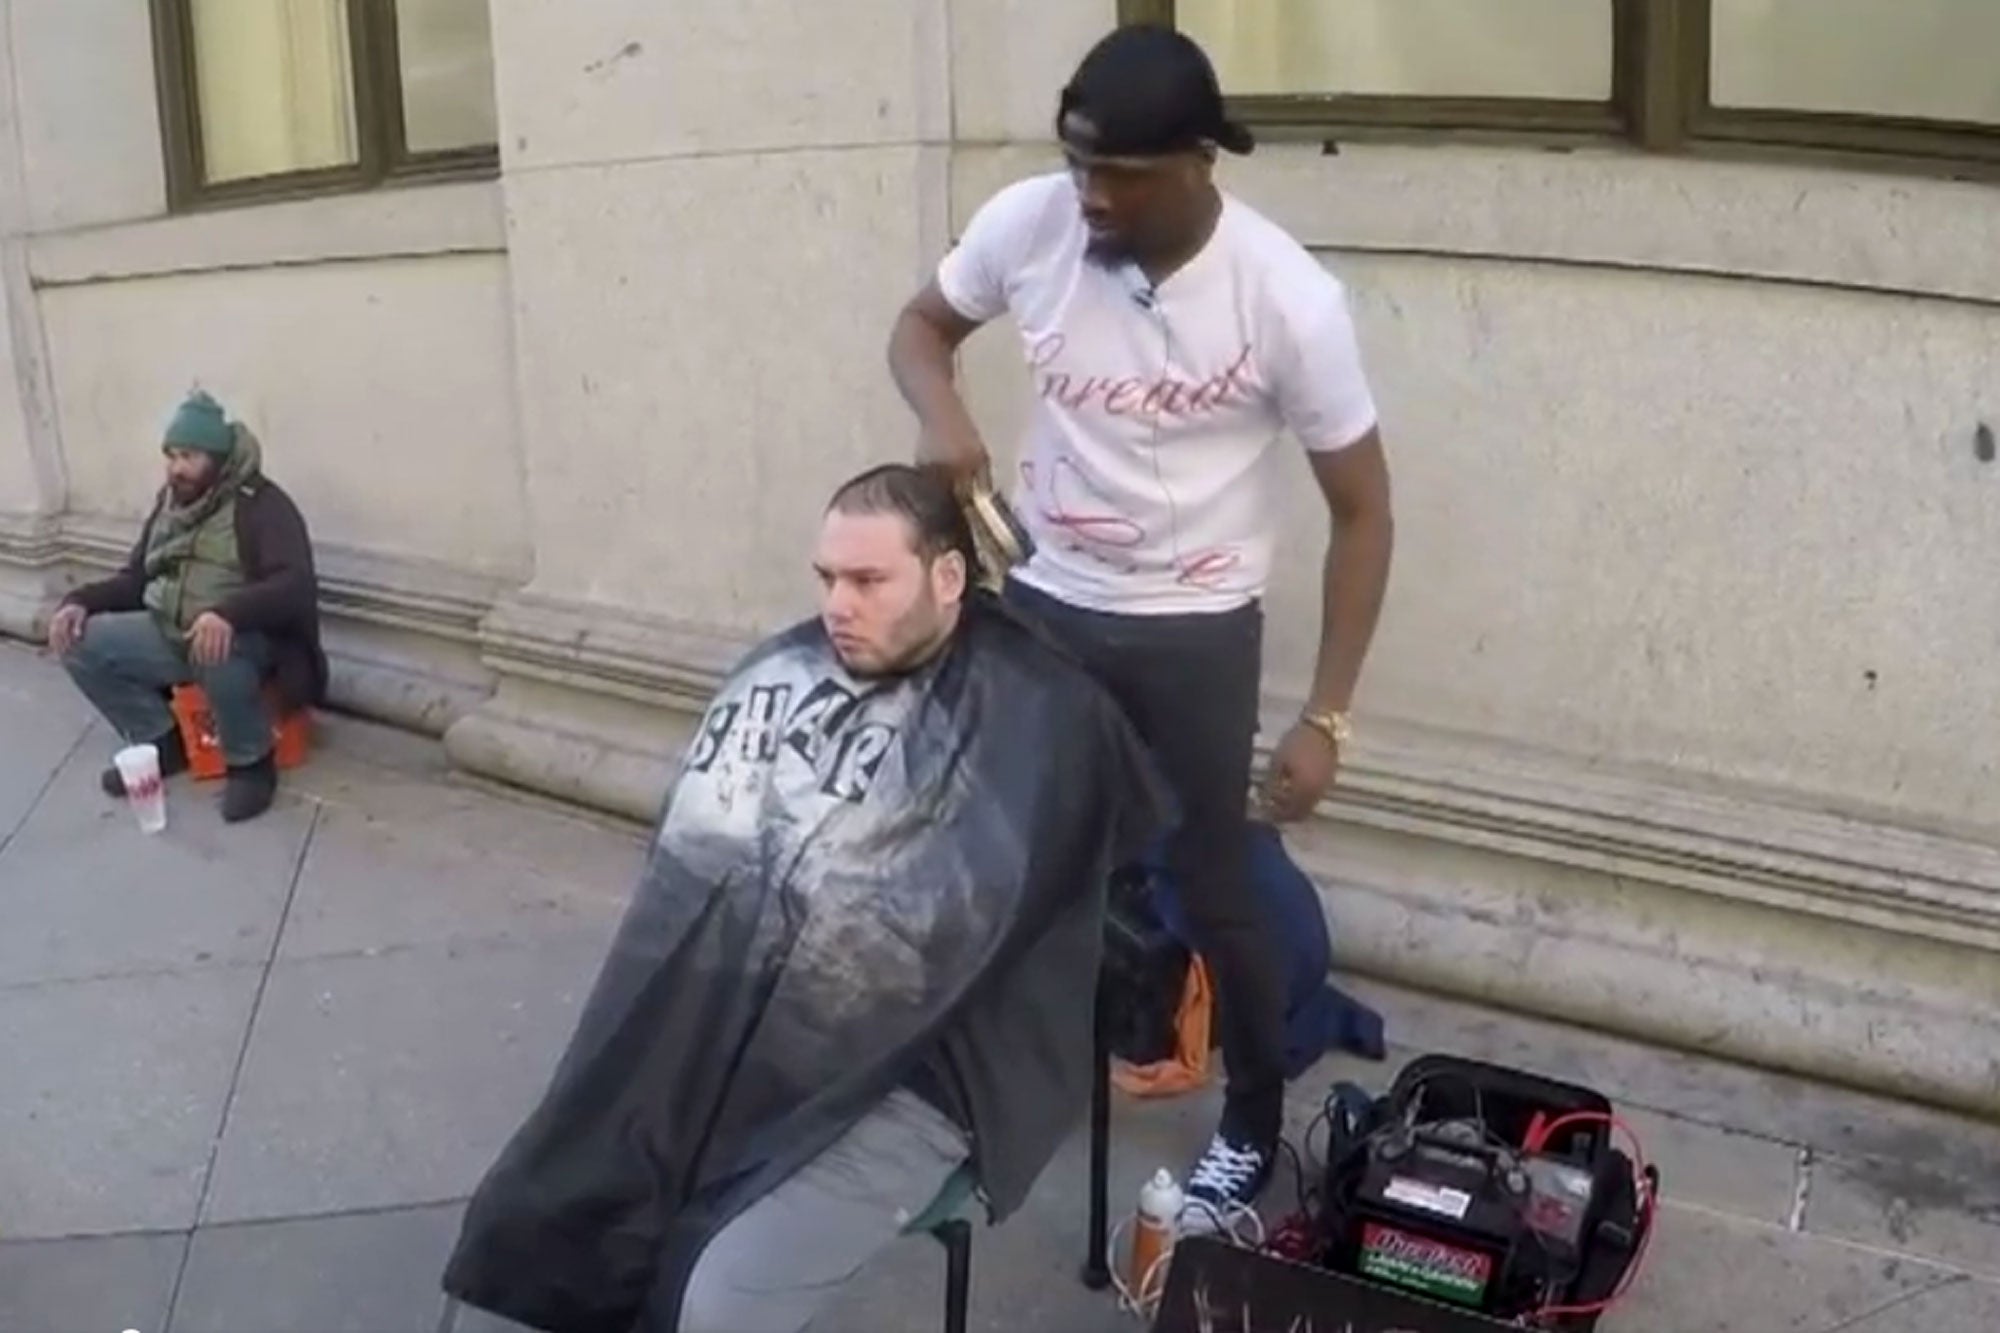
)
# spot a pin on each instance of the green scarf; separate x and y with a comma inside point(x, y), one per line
point(175, 526)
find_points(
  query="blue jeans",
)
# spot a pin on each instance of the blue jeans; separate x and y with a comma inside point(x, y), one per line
point(125, 663)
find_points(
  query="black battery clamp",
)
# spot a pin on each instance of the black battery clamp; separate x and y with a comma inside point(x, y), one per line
point(1491, 1189)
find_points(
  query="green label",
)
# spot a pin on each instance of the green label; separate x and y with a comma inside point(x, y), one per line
point(1425, 1265)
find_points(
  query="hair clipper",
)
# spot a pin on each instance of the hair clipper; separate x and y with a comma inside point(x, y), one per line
point(1002, 540)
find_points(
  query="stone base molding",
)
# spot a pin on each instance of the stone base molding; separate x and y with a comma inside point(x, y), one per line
point(1737, 923)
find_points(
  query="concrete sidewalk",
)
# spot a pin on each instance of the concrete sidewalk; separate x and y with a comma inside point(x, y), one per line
point(250, 1073)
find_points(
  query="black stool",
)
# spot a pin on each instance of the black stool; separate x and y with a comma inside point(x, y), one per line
point(943, 1224)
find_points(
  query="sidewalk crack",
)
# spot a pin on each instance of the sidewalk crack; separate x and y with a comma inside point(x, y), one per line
point(7, 838)
point(1856, 1321)
point(242, 1058)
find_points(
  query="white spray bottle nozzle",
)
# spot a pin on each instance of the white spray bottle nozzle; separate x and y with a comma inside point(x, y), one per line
point(1161, 1199)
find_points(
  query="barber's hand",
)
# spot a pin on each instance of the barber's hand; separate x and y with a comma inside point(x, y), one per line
point(963, 459)
point(1302, 770)
point(66, 628)
point(209, 639)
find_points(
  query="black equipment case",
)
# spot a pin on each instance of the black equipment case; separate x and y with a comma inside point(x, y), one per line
point(1490, 1189)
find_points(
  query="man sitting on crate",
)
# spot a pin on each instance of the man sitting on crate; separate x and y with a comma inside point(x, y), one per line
point(219, 591)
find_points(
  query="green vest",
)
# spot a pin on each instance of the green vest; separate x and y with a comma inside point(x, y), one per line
point(212, 571)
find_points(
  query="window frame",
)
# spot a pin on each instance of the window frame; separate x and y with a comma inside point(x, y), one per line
point(382, 154)
point(1660, 101)
point(1957, 147)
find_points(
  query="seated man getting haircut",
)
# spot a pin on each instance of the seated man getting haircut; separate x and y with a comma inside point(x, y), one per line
point(861, 960)
point(218, 591)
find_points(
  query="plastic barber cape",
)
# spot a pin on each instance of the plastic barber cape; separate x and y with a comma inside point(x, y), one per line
point(850, 879)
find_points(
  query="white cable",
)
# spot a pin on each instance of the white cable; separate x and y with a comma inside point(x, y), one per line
point(1152, 1283)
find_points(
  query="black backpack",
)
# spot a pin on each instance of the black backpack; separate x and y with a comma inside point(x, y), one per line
point(1145, 974)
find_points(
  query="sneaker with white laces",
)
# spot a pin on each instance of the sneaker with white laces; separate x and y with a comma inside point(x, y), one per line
point(1229, 1176)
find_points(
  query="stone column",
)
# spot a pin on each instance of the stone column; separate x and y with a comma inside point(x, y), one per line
point(32, 484)
point(714, 209)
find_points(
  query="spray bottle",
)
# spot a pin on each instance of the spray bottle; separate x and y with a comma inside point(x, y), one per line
point(1154, 1229)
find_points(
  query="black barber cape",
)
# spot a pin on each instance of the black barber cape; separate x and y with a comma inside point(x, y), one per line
point(847, 877)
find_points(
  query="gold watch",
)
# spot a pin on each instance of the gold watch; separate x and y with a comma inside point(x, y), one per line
point(1330, 723)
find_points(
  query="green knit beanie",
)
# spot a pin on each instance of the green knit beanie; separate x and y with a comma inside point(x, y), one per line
point(200, 423)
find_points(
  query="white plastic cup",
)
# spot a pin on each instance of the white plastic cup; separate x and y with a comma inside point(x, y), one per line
point(139, 770)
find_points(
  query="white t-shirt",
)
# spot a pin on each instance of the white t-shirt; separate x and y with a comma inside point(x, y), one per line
point(1147, 478)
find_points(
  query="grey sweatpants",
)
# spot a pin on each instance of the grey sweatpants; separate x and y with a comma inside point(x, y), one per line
point(779, 1262)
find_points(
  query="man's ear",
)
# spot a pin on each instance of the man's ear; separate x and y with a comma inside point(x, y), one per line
point(952, 575)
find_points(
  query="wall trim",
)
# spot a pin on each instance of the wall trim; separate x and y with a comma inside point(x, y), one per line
point(640, 658)
point(1729, 921)
point(1834, 944)
point(1466, 255)
point(402, 222)
point(31, 556)
point(1744, 845)
point(593, 703)
point(402, 634)
point(1633, 955)
point(398, 592)
point(31, 541)
point(1601, 208)
point(1740, 844)
point(1735, 843)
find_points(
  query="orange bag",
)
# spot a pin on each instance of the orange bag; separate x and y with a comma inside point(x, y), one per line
point(291, 734)
point(1187, 1070)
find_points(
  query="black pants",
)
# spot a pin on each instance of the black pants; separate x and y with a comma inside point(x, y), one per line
point(1190, 685)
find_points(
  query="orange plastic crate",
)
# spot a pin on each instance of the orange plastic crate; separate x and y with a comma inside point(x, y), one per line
point(291, 735)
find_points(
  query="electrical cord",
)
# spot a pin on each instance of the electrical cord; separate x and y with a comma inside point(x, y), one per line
point(1143, 1298)
point(1301, 1191)
point(1239, 1223)
point(1486, 1130)
point(1645, 1184)
point(1536, 1140)
point(1295, 1237)
point(1324, 1119)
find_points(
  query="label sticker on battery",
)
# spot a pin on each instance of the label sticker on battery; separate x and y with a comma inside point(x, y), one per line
point(1439, 1199)
point(1418, 1263)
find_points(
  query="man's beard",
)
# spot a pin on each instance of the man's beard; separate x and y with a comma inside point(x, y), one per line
point(906, 660)
point(918, 638)
point(186, 493)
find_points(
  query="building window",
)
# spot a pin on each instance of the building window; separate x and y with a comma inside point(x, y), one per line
point(286, 97)
point(1912, 78)
point(1907, 81)
point(1523, 64)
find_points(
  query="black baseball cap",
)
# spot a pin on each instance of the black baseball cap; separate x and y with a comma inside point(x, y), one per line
point(1146, 90)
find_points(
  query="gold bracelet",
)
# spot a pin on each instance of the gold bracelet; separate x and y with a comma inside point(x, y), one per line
point(1331, 724)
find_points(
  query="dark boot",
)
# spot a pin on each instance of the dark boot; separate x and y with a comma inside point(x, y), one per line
point(173, 761)
point(249, 790)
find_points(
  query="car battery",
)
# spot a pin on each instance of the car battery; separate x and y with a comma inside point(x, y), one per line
point(1436, 1216)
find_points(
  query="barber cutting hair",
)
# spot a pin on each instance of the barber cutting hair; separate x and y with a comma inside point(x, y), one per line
point(1174, 336)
